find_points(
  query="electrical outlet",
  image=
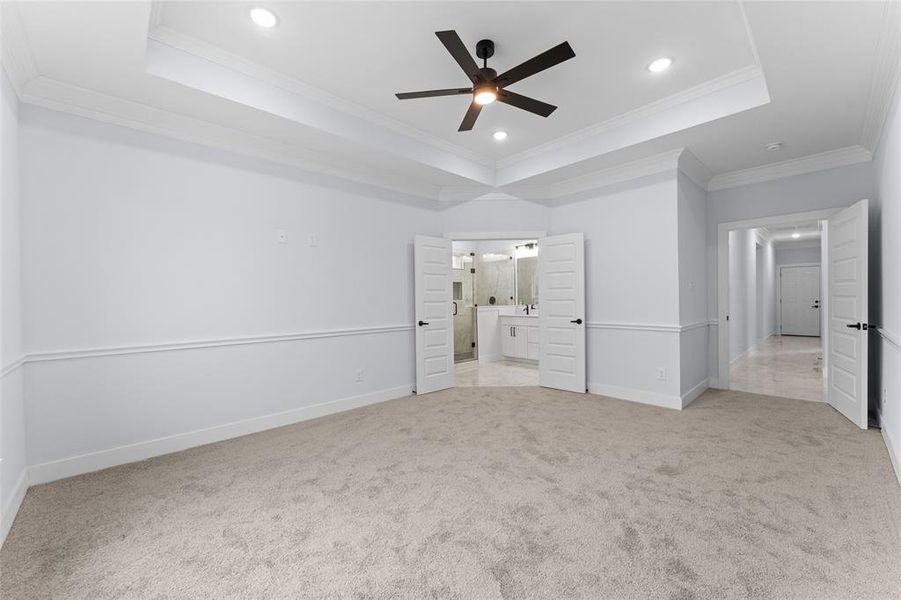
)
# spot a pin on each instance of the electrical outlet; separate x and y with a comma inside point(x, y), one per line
point(661, 373)
point(281, 236)
point(359, 375)
point(884, 396)
point(314, 240)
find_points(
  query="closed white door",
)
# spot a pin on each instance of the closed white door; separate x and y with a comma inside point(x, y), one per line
point(800, 300)
point(434, 314)
point(846, 251)
point(561, 314)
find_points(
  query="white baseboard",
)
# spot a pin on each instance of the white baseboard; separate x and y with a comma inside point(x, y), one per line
point(12, 507)
point(892, 453)
point(692, 394)
point(95, 461)
point(635, 395)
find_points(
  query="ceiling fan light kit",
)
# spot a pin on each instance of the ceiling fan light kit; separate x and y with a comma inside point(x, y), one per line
point(487, 85)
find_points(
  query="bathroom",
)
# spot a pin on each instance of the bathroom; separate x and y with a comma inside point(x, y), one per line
point(495, 307)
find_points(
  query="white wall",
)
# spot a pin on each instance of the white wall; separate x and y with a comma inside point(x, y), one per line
point(886, 310)
point(12, 424)
point(140, 243)
point(692, 216)
point(752, 290)
point(805, 254)
point(827, 189)
point(632, 276)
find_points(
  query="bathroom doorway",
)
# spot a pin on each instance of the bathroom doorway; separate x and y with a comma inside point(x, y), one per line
point(495, 312)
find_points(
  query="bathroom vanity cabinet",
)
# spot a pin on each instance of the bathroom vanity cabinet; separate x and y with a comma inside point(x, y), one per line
point(519, 336)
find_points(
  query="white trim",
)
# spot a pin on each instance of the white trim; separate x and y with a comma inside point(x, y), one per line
point(885, 78)
point(693, 394)
point(104, 459)
point(889, 337)
point(213, 343)
point(12, 506)
point(789, 168)
point(893, 456)
point(18, 59)
point(728, 80)
point(12, 366)
point(694, 169)
point(647, 326)
point(67, 98)
point(464, 236)
point(635, 395)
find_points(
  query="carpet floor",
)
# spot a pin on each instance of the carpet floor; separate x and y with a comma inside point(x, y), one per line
point(484, 493)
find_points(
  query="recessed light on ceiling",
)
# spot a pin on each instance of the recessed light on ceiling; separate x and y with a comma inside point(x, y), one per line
point(660, 65)
point(500, 135)
point(796, 235)
point(263, 17)
point(774, 146)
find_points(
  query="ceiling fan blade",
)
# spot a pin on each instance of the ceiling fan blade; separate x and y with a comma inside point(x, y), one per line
point(433, 93)
point(470, 118)
point(455, 46)
point(545, 60)
point(524, 102)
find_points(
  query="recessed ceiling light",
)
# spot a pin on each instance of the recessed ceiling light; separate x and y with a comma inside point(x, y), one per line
point(500, 135)
point(796, 235)
point(774, 146)
point(660, 65)
point(263, 17)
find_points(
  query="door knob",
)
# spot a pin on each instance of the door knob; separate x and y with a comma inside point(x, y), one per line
point(421, 323)
point(577, 321)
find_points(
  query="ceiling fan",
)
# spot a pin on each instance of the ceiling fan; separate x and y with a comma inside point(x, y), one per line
point(488, 86)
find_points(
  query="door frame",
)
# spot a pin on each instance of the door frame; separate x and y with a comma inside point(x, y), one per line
point(779, 289)
point(722, 279)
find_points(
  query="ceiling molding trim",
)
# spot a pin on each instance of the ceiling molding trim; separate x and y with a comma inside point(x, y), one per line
point(597, 180)
point(726, 81)
point(885, 78)
point(192, 71)
point(64, 97)
point(180, 41)
point(797, 166)
point(18, 60)
point(694, 169)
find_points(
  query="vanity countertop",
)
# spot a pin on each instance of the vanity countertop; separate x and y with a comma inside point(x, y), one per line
point(520, 317)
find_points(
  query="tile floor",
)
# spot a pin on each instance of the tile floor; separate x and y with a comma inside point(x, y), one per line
point(787, 366)
point(501, 373)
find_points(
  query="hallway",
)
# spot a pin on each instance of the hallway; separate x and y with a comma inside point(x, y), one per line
point(787, 366)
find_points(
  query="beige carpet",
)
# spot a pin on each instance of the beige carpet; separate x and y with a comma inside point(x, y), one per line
point(485, 493)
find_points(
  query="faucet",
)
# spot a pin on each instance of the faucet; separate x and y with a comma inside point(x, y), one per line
point(526, 308)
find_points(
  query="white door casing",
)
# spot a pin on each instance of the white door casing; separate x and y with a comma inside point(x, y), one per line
point(434, 321)
point(561, 313)
point(848, 329)
point(800, 300)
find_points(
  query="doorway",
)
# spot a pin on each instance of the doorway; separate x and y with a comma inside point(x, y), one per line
point(841, 348)
point(495, 308)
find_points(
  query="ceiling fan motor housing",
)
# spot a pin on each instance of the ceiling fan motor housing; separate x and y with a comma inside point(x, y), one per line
point(485, 49)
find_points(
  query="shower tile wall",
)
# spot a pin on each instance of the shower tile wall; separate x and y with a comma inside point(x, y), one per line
point(494, 277)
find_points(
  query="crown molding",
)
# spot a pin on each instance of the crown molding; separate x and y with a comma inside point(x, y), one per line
point(726, 81)
point(832, 159)
point(18, 60)
point(885, 78)
point(568, 189)
point(185, 43)
point(64, 97)
point(694, 169)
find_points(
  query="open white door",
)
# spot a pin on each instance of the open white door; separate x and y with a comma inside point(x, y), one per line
point(434, 321)
point(561, 312)
point(848, 329)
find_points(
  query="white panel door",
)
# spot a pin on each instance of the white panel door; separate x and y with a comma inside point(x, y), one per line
point(561, 314)
point(848, 329)
point(800, 300)
point(434, 314)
